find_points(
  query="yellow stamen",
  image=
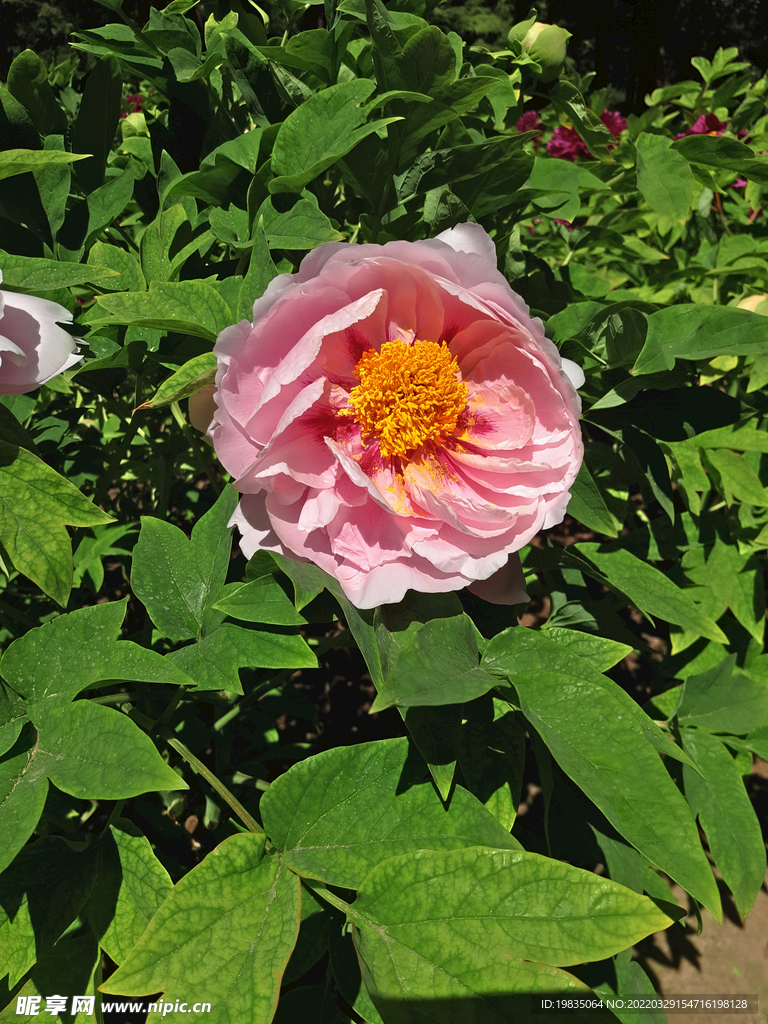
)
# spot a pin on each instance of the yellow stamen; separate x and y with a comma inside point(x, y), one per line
point(408, 395)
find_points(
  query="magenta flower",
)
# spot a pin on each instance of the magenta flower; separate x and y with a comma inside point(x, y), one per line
point(133, 104)
point(33, 348)
point(394, 415)
point(614, 122)
point(705, 124)
point(566, 223)
point(531, 122)
point(566, 144)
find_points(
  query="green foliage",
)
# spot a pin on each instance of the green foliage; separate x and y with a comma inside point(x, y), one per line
point(151, 674)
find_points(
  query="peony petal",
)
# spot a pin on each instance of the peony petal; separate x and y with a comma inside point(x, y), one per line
point(470, 238)
point(573, 372)
point(506, 586)
point(41, 349)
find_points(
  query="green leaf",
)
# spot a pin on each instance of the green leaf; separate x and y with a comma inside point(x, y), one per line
point(385, 48)
point(429, 653)
point(214, 661)
point(177, 578)
point(319, 132)
point(427, 62)
point(181, 307)
point(301, 226)
point(567, 100)
point(651, 591)
point(131, 886)
point(34, 275)
point(699, 332)
point(251, 72)
point(664, 177)
point(722, 151)
point(308, 581)
point(492, 756)
point(28, 82)
point(346, 974)
point(96, 753)
point(35, 505)
point(318, 921)
point(108, 202)
point(336, 815)
point(737, 582)
point(470, 935)
point(724, 699)
point(156, 242)
point(13, 715)
point(641, 1004)
point(588, 506)
point(557, 185)
point(231, 226)
point(718, 798)
point(22, 797)
point(119, 261)
point(595, 733)
point(52, 663)
point(97, 119)
point(195, 374)
point(741, 438)
point(41, 894)
point(737, 478)
point(20, 161)
point(436, 731)
point(218, 170)
point(72, 968)
point(237, 902)
point(54, 183)
point(261, 600)
point(599, 651)
point(261, 270)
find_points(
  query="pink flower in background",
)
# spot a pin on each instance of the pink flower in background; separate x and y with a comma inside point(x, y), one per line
point(394, 415)
point(566, 144)
point(33, 348)
point(531, 122)
point(705, 124)
point(133, 104)
point(614, 122)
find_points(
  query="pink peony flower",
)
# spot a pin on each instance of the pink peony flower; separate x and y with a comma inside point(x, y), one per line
point(705, 124)
point(614, 122)
point(531, 122)
point(33, 348)
point(133, 104)
point(394, 415)
point(566, 144)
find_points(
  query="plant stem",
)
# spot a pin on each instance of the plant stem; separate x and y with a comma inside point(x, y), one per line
point(329, 897)
point(248, 820)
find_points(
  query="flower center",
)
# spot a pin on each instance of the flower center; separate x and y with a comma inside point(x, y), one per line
point(408, 395)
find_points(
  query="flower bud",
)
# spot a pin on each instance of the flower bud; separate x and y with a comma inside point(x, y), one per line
point(546, 44)
point(755, 304)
